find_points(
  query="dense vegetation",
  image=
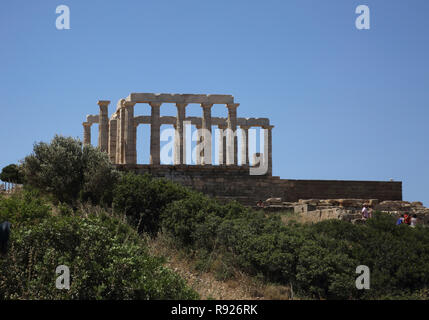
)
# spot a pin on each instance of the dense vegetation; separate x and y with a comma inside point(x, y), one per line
point(106, 257)
point(109, 259)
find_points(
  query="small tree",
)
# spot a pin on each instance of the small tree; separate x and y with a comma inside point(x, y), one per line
point(68, 170)
point(11, 173)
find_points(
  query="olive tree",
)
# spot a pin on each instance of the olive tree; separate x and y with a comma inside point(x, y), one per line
point(69, 171)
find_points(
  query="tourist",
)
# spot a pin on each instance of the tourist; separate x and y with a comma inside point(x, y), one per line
point(365, 212)
point(370, 212)
point(260, 204)
point(407, 218)
point(400, 220)
point(413, 221)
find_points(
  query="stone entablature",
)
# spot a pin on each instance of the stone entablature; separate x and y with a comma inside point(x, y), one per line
point(117, 134)
point(180, 98)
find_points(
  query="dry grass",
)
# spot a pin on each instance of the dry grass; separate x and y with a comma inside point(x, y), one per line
point(239, 287)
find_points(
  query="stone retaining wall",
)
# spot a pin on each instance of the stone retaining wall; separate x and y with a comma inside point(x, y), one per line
point(234, 182)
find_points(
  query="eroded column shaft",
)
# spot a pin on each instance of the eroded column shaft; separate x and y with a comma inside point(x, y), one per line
point(103, 125)
point(231, 149)
point(86, 133)
point(155, 125)
point(179, 137)
point(112, 139)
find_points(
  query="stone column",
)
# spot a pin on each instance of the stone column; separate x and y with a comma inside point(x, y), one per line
point(112, 139)
point(231, 148)
point(129, 131)
point(207, 133)
point(86, 133)
point(120, 158)
point(245, 145)
point(268, 148)
point(103, 125)
point(222, 144)
point(118, 137)
point(179, 137)
point(135, 143)
point(155, 125)
point(256, 159)
point(198, 146)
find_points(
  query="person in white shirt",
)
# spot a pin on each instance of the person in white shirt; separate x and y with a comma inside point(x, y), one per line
point(365, 212)
point(413, 221)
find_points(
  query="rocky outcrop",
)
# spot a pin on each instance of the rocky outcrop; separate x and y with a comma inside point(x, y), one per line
point(347, 209)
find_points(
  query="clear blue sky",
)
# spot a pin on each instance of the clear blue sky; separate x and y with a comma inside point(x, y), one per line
point(346, 103)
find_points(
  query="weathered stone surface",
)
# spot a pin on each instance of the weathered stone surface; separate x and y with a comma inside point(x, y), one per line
point(180, 98)
point(274, 200)
point(234, 181)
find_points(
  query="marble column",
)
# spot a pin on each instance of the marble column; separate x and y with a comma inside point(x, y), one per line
point(207, 133)
point(198, 146)
point(120, 157)
point(268, 148)
point(86, 133)
point(112, 139)
point(129, 131)
point(245, 145)
point(231, 148)
point(179, 136)
point(103, 125)
point(118, 137)
point(257, 159)
point(222, 144)
point(155, 125)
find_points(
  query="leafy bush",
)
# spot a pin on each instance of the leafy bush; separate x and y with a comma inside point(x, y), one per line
point(141, 199)
point(192, 219)
point(319, 260)
point(106, 257)
point(67, 170)
point(12, 173)
point(26, 207)
point(103, 264)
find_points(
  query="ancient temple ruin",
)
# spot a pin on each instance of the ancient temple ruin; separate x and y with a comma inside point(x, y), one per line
point(117, 135)
point(227, 180)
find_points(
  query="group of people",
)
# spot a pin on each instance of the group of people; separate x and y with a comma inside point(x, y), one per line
point(407, 219)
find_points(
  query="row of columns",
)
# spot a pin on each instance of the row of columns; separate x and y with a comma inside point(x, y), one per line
point(117, 136)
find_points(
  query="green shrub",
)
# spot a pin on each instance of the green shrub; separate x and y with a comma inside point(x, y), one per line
point(26, 207)
point(141, 199)
point(68, 170)
point(12, 173)
point(107, 260)
point(193, 219)
point(319, 260)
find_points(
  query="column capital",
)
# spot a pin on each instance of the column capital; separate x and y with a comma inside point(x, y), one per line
point(206, 105)
point(269, 127)
point(86, 124)
point(222, 126)
point(181, 105)
point(245, 127)
point(232, 105)
point(129, 104)
point(103, 102)
point(155, 104)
